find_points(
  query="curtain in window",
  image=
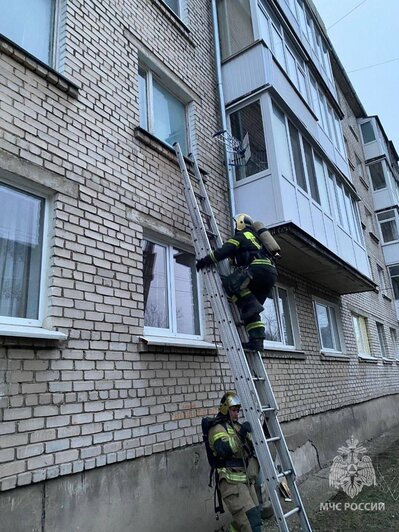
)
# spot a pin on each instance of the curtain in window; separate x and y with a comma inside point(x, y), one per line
point(187, 315)
point(21, 219)
point(156, 311)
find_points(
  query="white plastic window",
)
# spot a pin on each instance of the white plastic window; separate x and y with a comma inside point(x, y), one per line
point(388, 225)
point(161, 112)
point(327, 316)
point(279, 318)
point(30, 24)
point(22, 221)
point(171, 305)
point(382, 339)
point(361, 335)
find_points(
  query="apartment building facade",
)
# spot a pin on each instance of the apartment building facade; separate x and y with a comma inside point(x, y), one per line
point(382, 167)
point(331, 348)
point(107, 348)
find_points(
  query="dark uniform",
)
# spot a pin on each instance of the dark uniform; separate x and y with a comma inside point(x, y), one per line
point(258, 278)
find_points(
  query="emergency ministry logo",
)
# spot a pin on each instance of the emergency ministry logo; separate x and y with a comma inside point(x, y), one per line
point(352, 469)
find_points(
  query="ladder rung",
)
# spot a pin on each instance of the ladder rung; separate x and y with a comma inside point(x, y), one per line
point(285, 473)
point(211, 234)
point(274, 438)
point(292, 512)
point(268, 408)
point(258, 379)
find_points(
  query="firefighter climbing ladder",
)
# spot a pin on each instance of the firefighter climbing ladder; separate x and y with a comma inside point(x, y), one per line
point(249, 373)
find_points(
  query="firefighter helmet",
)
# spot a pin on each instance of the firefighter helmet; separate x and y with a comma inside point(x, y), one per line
point(228, 400)
point(243, 221)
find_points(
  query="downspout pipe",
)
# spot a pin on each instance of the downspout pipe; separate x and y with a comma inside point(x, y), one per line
point(219, 86)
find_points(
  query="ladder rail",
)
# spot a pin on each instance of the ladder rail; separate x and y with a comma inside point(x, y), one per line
point(248, 370)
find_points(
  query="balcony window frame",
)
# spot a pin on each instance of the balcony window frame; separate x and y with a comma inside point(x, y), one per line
point(393, 218)
point(237, 170)
point(374, 184)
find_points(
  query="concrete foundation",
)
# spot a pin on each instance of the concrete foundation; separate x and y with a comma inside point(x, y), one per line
point(169, 492)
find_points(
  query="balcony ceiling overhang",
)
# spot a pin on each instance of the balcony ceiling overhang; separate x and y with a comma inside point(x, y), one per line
point(304, 255)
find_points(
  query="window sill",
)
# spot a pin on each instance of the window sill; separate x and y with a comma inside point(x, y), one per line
point(374, 237)
point(284, 352)
point(162, 148)
point(169, 341)
point(341, 357)
point(364, 358)
point(174, 19)
point(31, 332)
point(388, 361)
point(38, 67)
point(363, 182)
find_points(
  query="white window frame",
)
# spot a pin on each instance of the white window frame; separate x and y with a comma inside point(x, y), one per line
point(57, 8)
point(181, 9)
point(394, 339)
point(393, 218)
point(172, 332)
point(338, 336)
point(292, 315)
point(382, 341)
point(360, 328)
point(237, 171)
point(384, 173)
point(149, 76)
point(22, 323)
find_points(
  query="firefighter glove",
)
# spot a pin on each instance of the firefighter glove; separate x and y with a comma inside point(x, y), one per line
point(244, 429)
point(203, 263)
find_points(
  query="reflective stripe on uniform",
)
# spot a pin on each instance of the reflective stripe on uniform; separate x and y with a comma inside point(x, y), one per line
point(266, 262)
point(254, 325)
point(234, 242)
point(252, 238)
point(245, 292)
point(233, 476)
point(229, 435)
point(212, 255)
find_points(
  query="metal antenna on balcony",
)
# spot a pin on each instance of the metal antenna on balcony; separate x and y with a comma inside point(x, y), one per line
point(239, 151)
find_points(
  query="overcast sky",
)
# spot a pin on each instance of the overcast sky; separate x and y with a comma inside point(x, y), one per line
point(365, 37)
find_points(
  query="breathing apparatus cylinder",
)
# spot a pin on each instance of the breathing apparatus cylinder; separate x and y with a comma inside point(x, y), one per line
point(266, 238)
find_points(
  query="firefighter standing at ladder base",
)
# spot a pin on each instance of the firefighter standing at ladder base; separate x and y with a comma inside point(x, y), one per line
point(231, 442)
point(254, 277)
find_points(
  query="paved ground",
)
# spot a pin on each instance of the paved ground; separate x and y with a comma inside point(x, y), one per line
point(374, 509)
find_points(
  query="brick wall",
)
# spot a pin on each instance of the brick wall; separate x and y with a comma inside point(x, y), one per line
point(101, 396)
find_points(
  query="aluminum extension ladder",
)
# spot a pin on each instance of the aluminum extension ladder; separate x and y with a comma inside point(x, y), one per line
point(251, 381)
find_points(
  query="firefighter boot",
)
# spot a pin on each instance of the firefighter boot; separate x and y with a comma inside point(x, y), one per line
point(248, 305)
point(256, 336)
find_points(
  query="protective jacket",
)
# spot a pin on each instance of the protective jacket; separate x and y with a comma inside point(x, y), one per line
point(245, 248)
point(240, 465)
point(237, 476)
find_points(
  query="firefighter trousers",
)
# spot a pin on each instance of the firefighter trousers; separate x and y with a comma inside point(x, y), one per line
point(242, 502)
